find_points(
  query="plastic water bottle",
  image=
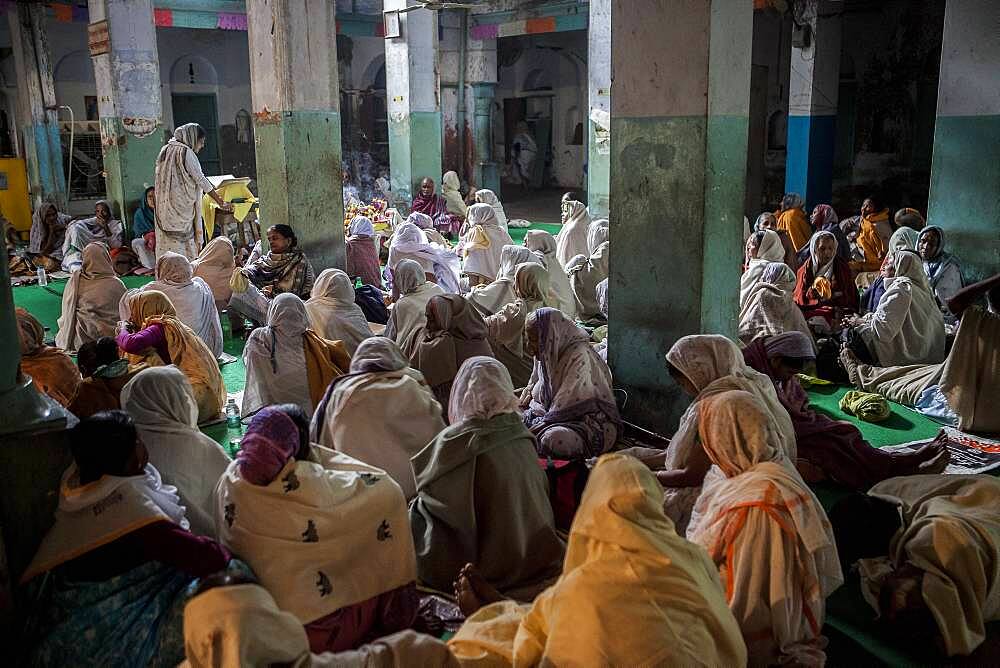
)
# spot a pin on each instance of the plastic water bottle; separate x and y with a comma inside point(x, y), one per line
point(232, 414)
point(43, 278)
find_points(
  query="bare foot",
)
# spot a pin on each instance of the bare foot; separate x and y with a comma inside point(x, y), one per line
point(472, 591)
point(931, 452)
point(850, 362)
point(936, 464)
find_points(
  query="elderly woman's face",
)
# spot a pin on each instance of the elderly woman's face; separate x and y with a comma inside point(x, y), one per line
point(825, 250)
point(278, 242)
point(867, 207)
point(769, 222)
point(102, 212)
point(751, 248)
point(888, 269)
point(928, 244)
point(199, 144)
point(151, 199)
point(51, 216)
point(427, 187)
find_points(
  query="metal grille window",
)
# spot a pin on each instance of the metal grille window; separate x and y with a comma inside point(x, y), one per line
point(86, 177)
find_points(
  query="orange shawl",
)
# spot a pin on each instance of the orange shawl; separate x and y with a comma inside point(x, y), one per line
point(796, 223)
point(325, 360)
point(871, 243)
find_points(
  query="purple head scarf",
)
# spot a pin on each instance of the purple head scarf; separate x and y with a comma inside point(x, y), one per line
point(270, 441)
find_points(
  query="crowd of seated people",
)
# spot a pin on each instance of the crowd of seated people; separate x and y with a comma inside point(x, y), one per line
point(379, 477)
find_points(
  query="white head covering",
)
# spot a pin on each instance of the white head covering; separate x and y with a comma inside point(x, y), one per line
point(193, 300)
point(361, 226)
point(597, 234)
point(421, 220)
point(482, 389)
point(485, 196)
point(482, 214)
point(572, 239)
point(161, 402)
point(409, 241)
point(500, 292)
point(904, 238)
point(560, 290)
point(602, 297)
point(333, 313)
point(780, 275)
point(826, 271)
point(275, 358)
point(909, 265)
point(408, 276)
point(770, 247)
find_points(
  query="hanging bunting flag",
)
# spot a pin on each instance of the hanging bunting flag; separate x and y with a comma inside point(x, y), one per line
point(232, 21)
point(163, 18)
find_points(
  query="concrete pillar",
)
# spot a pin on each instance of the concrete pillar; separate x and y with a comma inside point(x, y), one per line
point(599, 100)
point(413, 100)
point(296, 108)
point(33, 449)
point(965, 174)
point(128, 99)
point(36, 116)
point(486, 171)
point(679, 119)
point(814, 84)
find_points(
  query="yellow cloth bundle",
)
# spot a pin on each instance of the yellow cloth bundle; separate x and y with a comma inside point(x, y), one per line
point(823, 287)
point(866, 406)
point(238, 281)
point(477, 240)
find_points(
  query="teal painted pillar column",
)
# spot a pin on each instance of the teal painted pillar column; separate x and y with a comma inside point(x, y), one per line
point(678, 170)
point(127, 72)
point(414, 101)
point(296, 107)
point(965, 172)
point(37, 117)
point(813, 88)
point(599, 103)
point(487, 172)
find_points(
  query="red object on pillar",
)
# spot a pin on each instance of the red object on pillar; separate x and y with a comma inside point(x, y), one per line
point(163, 18)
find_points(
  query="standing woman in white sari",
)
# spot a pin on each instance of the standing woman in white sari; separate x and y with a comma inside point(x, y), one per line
point(560, 291)
point(572, 238)
point(180, 185)
point(192, 298)
point(482, 245)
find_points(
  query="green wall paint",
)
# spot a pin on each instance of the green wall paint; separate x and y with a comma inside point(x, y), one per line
point(725, 185)
point(299, 163)
point(130, 164)
point(965, 190)
point(414, 151)
point(675, 205)
point(598, 177)
point(657, 214)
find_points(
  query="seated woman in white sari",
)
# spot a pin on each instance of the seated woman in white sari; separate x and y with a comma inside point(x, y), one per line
point(962, 390)
point(767, 533)
point(287, 362)
point(491, 297)
point(482, 245)
point(90, 300)
point(572, 238)
point(329, 540)
point(907, 326)
point(506, 326)
point(568, 405)
point(943, 270)
point(215, 265)
point(409, 313)
point(238, 623)
point(704, 365)
point(110, 579)
point(193, 300)
point(103, 228)
point(380, 377)
point(763, 246)
point(161, 404)
point(927, 546)
point(769, 308)
point(481, 496)
point(332, 312)
point(440, 264)
point(486, 196)
point(560, 296)
point(586, 271)
point(632, 591)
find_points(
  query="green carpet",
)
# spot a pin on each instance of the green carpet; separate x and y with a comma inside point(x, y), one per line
point(517, 233)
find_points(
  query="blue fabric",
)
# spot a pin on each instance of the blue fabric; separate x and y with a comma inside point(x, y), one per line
point(133, 619)
point(873, 295)
point(142, 221)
